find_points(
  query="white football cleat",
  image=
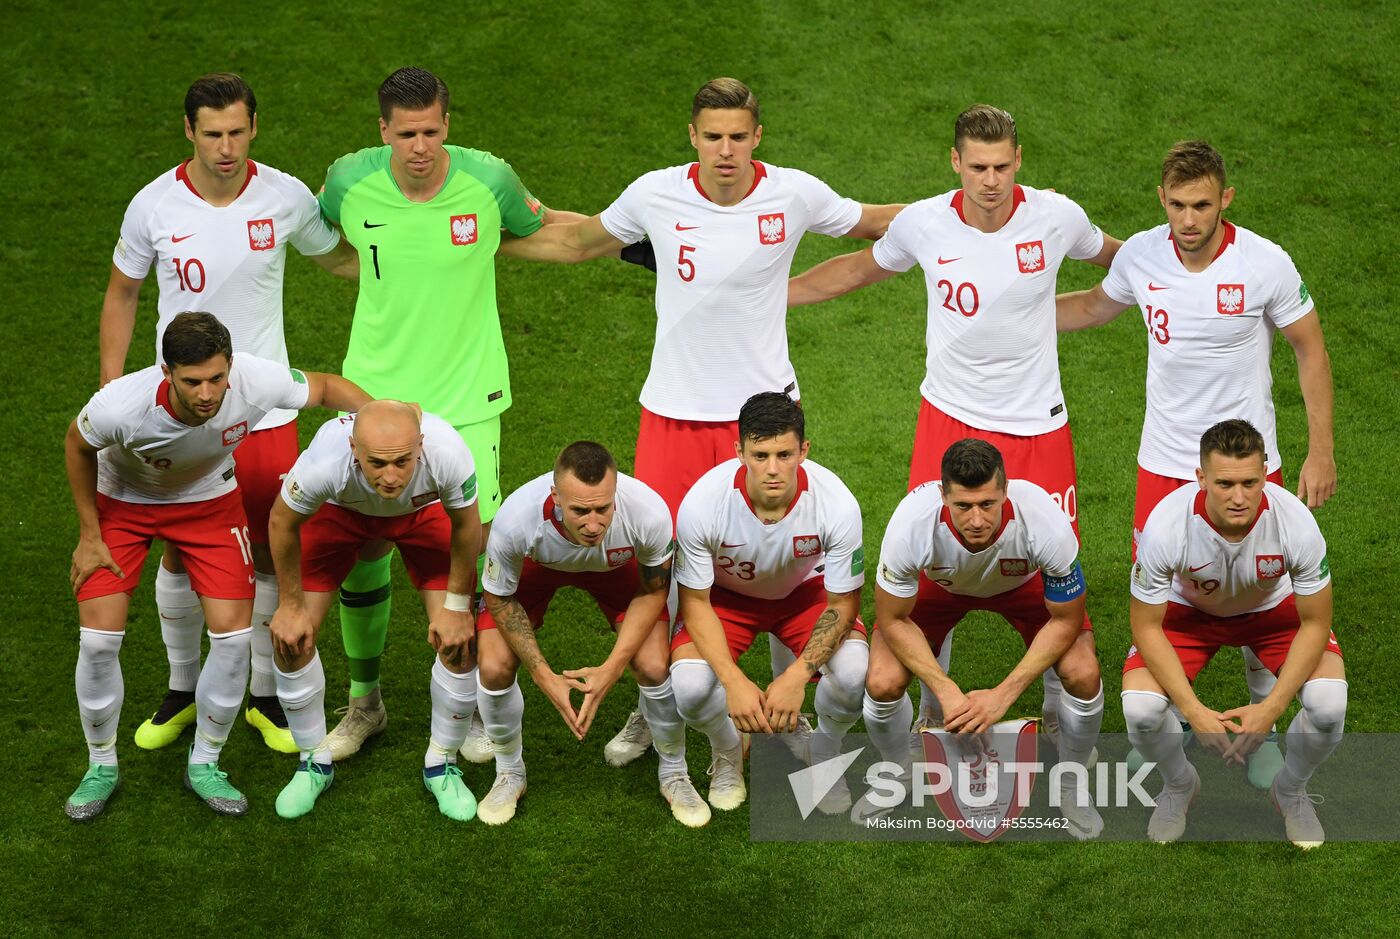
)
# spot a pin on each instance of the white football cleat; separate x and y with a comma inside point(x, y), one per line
point(1168, 821)
point(1300, 821)
point(1085, 822)
point(926, 723)
point(499, 805)
point(864, 809)
point(477, 747)
point(837, 800)
point(364, 717)
point(630, 742)
point(727, 789)
point(1050, 727)
point(799, 742)
point(686, 805)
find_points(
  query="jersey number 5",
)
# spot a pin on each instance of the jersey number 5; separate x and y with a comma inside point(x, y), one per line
point(684, 265)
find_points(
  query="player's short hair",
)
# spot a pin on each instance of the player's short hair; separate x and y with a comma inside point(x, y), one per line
point(1190, 160)
point(1234, 438)
point(218, 91)
point(412, 89)
point(770, 414)
point(722, 94)
point(589, 462)
point(972, 463)
point(985, 123)
point(192, 338)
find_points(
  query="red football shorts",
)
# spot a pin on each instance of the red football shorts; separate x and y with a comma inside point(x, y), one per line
point(1152, 489)
point(936, 611)
point(260, 462)
point(789, 619)
point(672, 454)
point(612, 590)
point(212, 537)
point(1045, 459)
point(1196, 636)
point(331, 539)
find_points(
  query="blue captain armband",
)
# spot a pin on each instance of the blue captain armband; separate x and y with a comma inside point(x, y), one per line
point(1066, 587)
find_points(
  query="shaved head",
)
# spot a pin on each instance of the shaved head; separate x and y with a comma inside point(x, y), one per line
point(385, 420)
point(386, 441)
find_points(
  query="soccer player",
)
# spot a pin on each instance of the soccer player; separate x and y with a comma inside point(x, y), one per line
point(726, 228)
point(216, 230)
point(588, 526)
point(1212, 296)
point(383, 478)
point(1237, 560)
point(769, 542)
point(990, 251)
point(978, 541)
point(151, 456)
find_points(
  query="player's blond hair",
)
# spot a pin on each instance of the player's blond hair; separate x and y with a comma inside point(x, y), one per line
point(724, 94)
point(985, 123)
point(1235, 439)
point(1190, 160)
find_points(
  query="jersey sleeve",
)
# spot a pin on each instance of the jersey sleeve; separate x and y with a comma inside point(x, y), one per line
point(1154, 568)
point(654, 542)
point(271, 385)
point(1308, 566)
point(100, 421)
point(900, 562)
point(1057, 555)
point(1116, 283)
point(1288, 300)
point(1082, 237)
point(895, 249)
point(307, 486)
point(135, 253)
point(831, 214)
point(845, 546)
point(505, 553)
point(695, 557)
point(521, 213)
point(625, 219)
point(455, 472)
point(343, 174)
point(312, 234)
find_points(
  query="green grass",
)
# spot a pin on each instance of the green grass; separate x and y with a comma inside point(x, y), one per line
point(582, 100)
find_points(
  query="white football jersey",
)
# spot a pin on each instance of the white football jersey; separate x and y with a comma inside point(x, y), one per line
point(721, 542)
point(1209, 336)
point(226, 260)
point(1035, 536)
point(327, 471)
point(528, 526)
point(992, 359)
point(1182, 557)
point(721, 282)
point(149, 456)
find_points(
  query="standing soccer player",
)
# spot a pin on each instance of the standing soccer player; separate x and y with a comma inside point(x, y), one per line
point(588, 526)
point(1233, 560)
point(151, 456)
point(990, 251)
point(769, 542)
point(216, 230)
point(381, 479)
point(977, 541)
point(1212, 296)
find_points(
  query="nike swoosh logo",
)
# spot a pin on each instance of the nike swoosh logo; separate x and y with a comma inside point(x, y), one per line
point(1199, 566)
point(739, 545)
point(948, 260)
point(219, 722)
point(1152, 286)
point(680, 227)
point(940, 568)
point(179, 238)
point(380, 225)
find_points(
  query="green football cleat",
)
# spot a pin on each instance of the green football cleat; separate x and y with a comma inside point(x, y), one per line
point(1264, 763)
point(299, 796)
point(454, 799)
point(90, 798)
point(169, 721)
point(211, 785)
point(265, 713)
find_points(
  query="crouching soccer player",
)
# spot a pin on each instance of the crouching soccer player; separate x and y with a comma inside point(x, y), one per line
point(588, 526)
point(1233, 560)
point(383, 478)
point(151, 456)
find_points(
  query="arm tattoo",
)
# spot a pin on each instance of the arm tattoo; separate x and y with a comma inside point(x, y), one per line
point(828, 633)
point(655, 579)
point(514, 622)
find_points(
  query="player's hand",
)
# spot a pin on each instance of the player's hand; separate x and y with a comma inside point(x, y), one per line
point(1212, 728)
point(1255, 720)
point(595, 681)
point(782, 702)
point(450, 634)
point(746, 706)
point(985, 707)
point(952, 702)
point(556, 688)
point(91, 554)
point(1317, 480)
point(293, 633)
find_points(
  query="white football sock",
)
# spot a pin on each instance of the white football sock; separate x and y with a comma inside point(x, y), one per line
point(98, 679)
point(1261, 681)
point(839, 695)
point(181, 627)
point(219, 693)
point(1314, 733)
point(262, 684)
point(1157, 735)
point(929, 708)
point(887, 723)
point(658, 706)
point(1079, 725)
point(780, 657)
point(303, 697)
point(1052, 693)
point(702, 704)
point(454, 702)
point(503, 713)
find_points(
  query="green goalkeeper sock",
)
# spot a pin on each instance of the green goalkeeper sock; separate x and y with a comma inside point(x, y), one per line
point(364, 621)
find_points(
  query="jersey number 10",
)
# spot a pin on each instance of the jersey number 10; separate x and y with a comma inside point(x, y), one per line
point(190, 273)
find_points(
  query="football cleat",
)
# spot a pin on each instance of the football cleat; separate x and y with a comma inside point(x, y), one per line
point(453, 797)
point(1168, 821)
point(477, 747)
point(1263, 764)
point(865, 809)
point(837, 800)
point(926, 723)
point(1050, 726)
point(799, 742)
point(630, 742)
point(299, 796)
point(169, 721)
point(499, 805)
point(686, 805)
point(210, 784)
point(1085, 822)
point(90, 798)
point(265, 713)
point(727, 789)
point(364, 717)
point(1300, 821)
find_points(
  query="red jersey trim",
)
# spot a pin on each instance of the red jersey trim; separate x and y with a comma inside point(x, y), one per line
point(163, 398)
point(759, 172)
point(1008, 512)
point(1018, 195)
point(183, 176)
point(1199, 507)
point(741, 477)
point(549, 508)
point(1225, 242)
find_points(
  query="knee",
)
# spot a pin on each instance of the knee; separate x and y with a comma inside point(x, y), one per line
point(496, 672)
point(1143, 711)
point(1325, 701)
point(693, 683)
point(651, 668)
point(99, 646)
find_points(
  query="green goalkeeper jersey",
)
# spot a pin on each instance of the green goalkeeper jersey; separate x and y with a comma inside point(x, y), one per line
point(426, 327)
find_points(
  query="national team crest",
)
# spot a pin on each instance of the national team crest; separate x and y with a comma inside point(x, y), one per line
point(620, 556)
point(806, 546)
point(1014, 567)
point(236, 433)
point(1268, 566)
point(977, 792)
point(261, 236)
point(1229, 299)
point(464, 229)
point(423, 498)
point(1030, 257)
point(771, 229)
